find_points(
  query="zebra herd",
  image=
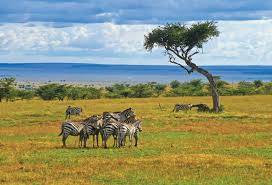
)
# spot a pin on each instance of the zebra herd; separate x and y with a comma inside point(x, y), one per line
point(116, 124)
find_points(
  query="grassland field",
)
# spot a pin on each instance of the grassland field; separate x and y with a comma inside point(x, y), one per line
point(234, 147)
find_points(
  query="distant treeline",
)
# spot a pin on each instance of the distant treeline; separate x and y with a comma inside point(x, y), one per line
point(9, 92)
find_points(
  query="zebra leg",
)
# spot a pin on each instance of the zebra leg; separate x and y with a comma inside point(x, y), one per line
point(105, 138)
point(80, 141)
point(93, 140)
point(124, 141)
point(85, 141)
point(136, 139)
point(96, 140)
point(115, 140)
point(130, 140)
point(64, 137)
point(119, 140)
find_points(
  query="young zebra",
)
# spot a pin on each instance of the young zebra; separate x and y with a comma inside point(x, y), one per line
point(70, 128)
point(182, 107)
point(92, 126)
point(72, 111)
point(130, 130)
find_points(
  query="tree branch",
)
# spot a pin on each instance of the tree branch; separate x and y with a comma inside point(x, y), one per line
point(190, 56)
point(172, 60)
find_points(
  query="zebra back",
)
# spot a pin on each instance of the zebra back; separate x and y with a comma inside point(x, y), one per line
point(73, 110)
point(182, 107)
point(72, 128)
point(124, 115)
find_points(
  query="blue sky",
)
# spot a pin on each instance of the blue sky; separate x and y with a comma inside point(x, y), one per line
point(112, 31)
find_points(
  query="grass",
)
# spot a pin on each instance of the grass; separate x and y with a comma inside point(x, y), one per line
point(234, 147)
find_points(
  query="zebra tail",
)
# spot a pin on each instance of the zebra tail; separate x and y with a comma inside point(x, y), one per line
point(61, 131)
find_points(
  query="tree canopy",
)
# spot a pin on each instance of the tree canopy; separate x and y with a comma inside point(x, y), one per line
point(181, 40)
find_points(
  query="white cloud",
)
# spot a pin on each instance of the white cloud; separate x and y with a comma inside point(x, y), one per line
point(240, 42)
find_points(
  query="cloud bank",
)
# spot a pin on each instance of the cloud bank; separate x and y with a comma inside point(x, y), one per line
point(112, 31)
point(240, 42)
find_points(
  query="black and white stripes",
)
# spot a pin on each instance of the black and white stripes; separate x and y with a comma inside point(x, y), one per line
point(70, 128)
point(116, 124)
point(182, 107)
point(72, 111)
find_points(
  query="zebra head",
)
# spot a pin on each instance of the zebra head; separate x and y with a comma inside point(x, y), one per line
point(107, 116)
point(128, 113)
point(138, 125)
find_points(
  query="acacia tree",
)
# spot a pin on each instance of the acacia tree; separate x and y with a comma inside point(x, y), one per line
point(183, 42)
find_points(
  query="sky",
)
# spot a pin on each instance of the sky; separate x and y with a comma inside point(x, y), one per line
point(112, 31)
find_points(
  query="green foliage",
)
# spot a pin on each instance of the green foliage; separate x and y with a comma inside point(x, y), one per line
point(258, 83)
point(47, 92)
point(245, 88)
point(119, 91)
point(174, 89)
point(142, 91)
point(181, 36)
point(192, 88)
point(25, 94)
point(7, 89)
point(175, 84)
point(266, 88)
point(75, 93)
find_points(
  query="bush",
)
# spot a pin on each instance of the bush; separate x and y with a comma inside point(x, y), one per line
point(7, 89)
point(175, 84)
point(75, 93)
point(141, 91)
point(25, 94)
point(48, 92)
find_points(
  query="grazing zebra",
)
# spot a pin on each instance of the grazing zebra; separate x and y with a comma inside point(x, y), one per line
point(202, 107)
point(71, 128)
point(72, 111)
point(130, 130)
point(92, 126)
point(182, 107)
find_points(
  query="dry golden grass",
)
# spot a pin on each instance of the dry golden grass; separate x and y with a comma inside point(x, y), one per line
point(234, 147)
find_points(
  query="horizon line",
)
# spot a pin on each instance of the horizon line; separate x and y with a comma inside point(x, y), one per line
point(16, 63)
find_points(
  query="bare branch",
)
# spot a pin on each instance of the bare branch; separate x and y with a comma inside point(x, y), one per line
point(172, 60)
point(196, 52)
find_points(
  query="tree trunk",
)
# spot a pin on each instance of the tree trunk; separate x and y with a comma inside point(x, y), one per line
point(215, 95)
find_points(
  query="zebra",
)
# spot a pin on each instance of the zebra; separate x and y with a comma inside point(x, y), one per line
point(72, 111)
point(111, 121)
point(202, 107)
point(71, 128)
point(120, 116)
point(109, 128)
point(182, 107)
point(129, 120)
point(92, 126)
point(130, 130)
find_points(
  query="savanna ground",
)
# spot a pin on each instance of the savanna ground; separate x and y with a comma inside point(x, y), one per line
point(234, 147)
